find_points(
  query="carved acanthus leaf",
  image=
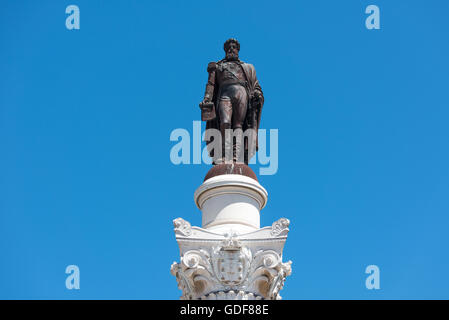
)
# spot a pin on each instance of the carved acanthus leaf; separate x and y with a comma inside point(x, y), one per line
point(182, 227)
point(280, 227)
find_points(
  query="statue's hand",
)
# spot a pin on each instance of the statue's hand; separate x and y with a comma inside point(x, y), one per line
point(206, 104)
point(207, 99)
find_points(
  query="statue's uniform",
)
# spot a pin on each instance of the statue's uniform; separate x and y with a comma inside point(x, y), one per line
point(230, 86)
point(233, 98)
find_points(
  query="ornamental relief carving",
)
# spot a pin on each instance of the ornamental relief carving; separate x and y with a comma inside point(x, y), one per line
point(202, 274)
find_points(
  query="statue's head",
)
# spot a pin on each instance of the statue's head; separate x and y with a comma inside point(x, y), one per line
point(232, 48)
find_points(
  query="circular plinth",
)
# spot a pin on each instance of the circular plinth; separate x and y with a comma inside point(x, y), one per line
point(231, 168)
point(231, 199)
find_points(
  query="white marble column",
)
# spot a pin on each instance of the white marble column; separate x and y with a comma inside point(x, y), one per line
point(230, 257)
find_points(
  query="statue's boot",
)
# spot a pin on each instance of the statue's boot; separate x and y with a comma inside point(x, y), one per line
point(251, 144)
point(238, 147)
point(226, 136)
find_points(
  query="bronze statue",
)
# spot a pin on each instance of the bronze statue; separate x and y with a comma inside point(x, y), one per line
point(232, 104)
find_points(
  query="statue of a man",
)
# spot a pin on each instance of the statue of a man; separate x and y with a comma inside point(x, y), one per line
point(233, 105)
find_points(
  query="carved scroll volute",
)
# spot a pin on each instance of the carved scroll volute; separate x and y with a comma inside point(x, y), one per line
point(196, 265)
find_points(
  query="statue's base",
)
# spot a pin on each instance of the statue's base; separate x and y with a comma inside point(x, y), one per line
point(231, 199)
point(231, 168)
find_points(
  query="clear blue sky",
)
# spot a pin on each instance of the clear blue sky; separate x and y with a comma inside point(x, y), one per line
point(86, 116)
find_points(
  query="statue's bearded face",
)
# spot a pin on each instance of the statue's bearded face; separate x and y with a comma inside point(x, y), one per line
point(232, 51)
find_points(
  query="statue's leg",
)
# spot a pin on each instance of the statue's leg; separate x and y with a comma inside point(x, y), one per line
point(225, 112)
point(240, 105)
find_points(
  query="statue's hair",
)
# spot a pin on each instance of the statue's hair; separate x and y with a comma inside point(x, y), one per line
point(228, 42)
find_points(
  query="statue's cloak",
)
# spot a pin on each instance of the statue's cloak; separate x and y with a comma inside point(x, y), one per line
point(252, 86)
